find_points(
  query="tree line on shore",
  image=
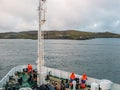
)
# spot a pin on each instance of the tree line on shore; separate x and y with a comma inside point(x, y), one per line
point(54, 34)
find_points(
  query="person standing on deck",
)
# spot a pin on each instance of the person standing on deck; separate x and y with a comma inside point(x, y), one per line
point(83, 80)
point(62, 85)
point(67, 84)
point(29, 68)
point(72, 77)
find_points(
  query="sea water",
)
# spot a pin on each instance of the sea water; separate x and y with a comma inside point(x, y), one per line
point(98, 58)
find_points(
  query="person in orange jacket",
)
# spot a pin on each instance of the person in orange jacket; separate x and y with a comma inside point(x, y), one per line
point(29, 67)
point(84, 78)
point(72, 76)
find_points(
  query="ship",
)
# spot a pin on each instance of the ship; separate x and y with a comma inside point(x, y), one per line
point(18, 78)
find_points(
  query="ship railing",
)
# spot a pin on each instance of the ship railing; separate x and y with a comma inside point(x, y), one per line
point(66, 75)
point(52, 71)
point(11, 73)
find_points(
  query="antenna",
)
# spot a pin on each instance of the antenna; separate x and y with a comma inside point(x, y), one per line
point(40, 63)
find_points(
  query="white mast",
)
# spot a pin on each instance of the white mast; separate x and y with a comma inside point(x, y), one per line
point(40, 63)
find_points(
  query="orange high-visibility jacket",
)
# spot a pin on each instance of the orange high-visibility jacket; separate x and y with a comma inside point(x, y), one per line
point(84, 77)
point(29, 67)
point(72, 76)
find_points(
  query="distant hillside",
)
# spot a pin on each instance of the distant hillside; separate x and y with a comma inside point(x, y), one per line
point(69, 34)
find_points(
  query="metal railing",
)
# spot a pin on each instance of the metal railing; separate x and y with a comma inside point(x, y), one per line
point(66, 75)
point(11, 73)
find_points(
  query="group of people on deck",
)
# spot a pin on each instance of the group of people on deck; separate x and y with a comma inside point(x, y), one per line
point(32, 73)
point(73, 82)
point(76, 82)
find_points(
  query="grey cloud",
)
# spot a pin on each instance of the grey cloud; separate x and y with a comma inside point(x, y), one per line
point(85, 15)
point(14, 13)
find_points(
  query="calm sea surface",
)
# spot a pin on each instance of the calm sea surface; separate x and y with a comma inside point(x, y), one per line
point(99, 58)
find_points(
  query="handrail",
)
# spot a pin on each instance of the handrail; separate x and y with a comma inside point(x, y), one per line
point(10, 73)
point(54, 72)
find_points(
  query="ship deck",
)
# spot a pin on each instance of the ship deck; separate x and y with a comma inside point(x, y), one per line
point(56, 79)
point(20, 80)
point(10, 82)
point(25, 79)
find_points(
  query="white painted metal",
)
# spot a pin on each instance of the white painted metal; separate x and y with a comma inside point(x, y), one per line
point(12, 72)
point(40, 62)
point(94, 86)
point(54, 72)
point(25, 88)
point(105, 84)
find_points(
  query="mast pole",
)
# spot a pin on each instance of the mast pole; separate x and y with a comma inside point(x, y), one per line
point(40, 62)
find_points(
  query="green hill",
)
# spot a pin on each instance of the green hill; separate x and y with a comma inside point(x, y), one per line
point(68, 34)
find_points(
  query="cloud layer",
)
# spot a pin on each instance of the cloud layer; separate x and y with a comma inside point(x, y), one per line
point(85, 15)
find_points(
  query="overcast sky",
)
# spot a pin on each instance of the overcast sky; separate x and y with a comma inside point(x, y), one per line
point(83, 15)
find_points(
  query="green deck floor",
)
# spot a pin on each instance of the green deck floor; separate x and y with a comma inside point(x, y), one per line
point(12, 83)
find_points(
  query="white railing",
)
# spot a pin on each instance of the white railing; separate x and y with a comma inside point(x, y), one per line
point(11, 73)
point(66, 75)
point(54, 72)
